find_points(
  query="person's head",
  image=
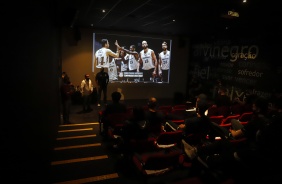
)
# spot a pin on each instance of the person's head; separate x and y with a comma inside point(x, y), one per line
point(121, 52)
point(260, 106)
point(66, 79)
point(64, 74)
point(200, 97)
point(132, 48)
point(144, 44)
point(152, 103)
point(105, 43)
point(138, 112)
point(222, 90)
point(116, 96)
point(202, 106)
point(164, 46)
point(87, 77)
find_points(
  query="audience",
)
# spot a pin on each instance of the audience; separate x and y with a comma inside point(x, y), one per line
point(223, 154)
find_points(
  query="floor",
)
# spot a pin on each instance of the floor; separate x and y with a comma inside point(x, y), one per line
point(82, 156)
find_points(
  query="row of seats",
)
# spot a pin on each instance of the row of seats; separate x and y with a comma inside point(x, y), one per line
point(157, 155)
point(221, 120)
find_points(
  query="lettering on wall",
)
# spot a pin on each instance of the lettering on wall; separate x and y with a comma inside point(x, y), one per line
point(240, 64)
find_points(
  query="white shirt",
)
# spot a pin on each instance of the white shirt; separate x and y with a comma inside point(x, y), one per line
point(103, 57)
point(132, 62)
point(86, 87)
point(165, 58)
point(147, 59)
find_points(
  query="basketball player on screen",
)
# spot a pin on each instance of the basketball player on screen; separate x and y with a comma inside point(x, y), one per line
point(102, 56)
point(164, 63)
point(149, 63)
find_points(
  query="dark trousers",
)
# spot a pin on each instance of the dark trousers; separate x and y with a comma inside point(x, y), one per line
point(66, 110)
point(102, 89)
point(86, 102)
point(164, 77)
point(148, 75)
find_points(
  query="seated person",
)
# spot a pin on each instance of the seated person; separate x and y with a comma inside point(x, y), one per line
point(255, 150)
point(200, 124)
point(135, 126)
point(222, 99)
point(115, 107)
point(155, 120)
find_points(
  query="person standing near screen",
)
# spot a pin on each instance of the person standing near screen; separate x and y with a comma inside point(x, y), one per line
point(102, 56)
point(86, 87)
point(148, 61)
point(164, 63)
point(102, 80)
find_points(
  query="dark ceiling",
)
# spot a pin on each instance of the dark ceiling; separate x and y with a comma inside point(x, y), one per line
point(192, 17)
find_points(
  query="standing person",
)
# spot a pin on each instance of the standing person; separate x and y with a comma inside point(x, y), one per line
point(164, 63)
point(102, 56)
point(102, 80)
point(67, 90)
point(148, 61)
point(86, 91)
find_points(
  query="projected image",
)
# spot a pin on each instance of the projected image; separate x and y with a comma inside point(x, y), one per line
point(132, 59)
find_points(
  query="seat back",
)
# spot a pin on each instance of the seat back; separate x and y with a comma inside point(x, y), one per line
point(212, 111)
point(245, 117)
point(169, 139)
point(237, 108)
point(180, 106)
point(165, 109)
point(228, 119)
point(217, 119)
point(224, 110)
point(181, 113)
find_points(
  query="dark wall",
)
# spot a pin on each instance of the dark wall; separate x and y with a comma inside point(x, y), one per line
point(240, 62)
point(30, 96)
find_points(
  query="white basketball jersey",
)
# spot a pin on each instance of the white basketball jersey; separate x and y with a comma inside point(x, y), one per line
point(102, 58)
point(165, 58)
point(132, 62)
point(147, 59)
point(123, 67)
point(112, 70)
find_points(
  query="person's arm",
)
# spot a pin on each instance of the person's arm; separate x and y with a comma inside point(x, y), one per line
point(181, 126)
point(155, 61)
point(140, 61)
point(111, 53)
point(94, 62)
point(159, 65)
point(82, 86)
point(91, 87)
point(237, 133)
